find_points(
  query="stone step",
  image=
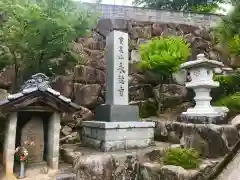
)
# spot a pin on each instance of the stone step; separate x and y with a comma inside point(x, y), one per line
point(71, 152)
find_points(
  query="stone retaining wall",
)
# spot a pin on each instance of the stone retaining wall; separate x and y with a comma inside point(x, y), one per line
point(153, 15)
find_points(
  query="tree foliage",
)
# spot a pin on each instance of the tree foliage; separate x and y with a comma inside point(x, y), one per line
point(36, 35)
point(182, 5)
point(230, 25)
point(228, 31)
point(228, 34)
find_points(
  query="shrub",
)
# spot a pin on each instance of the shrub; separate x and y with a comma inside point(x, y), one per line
point(164, 55)
point(206, 8)
point(186, 158)
point(234, 45)
point(229, 84)
point(232, 102)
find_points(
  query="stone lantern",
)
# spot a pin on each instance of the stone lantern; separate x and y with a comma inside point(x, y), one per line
point(201, 74)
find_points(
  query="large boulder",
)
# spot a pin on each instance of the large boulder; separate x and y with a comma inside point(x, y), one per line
point(64, 85)
point(209, 139)
point(170, 172)
point(68, 155)
point(155, 171)
point(158, 28)
point(98, 63)
point(236, 121)
point(180, 77)
point(140, 92)
point(150, 171)
point(66, 130)
point(74, 120)
point(169, 95)
point(94, 42)
point(142, 32)
point(87, 95)
point(105, 26)
point(235, 62)
point(94, 167)
point(136, 79)
point(86, 74)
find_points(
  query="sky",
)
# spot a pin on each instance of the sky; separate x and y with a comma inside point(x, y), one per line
point(129, 3)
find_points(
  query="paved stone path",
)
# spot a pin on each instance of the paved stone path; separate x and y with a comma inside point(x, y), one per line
point(37, 173)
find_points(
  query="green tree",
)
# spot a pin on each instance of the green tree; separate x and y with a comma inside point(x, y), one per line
point(230, 25)
point(36, 36)
point(182, 5)
point(228, 31)
point(228, 35)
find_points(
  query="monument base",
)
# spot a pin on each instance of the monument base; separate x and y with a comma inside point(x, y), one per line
point(117, 113)
point(112, 136)
point(213, 115)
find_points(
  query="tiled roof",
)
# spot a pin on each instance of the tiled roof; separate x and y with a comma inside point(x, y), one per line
point(38, 82)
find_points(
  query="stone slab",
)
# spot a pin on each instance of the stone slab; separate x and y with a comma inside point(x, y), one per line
point(117, 113)
point(202, 119)
point(110, 146)
point(66, 177)
point(112, 136)
point(119, 125)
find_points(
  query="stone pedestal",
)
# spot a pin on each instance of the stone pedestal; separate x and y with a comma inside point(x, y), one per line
point(112, 136)
point(117, 113)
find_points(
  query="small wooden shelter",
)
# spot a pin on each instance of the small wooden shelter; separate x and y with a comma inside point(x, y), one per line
point(34, 114)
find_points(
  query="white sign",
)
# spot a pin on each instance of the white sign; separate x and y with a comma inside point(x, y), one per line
point(117, 68)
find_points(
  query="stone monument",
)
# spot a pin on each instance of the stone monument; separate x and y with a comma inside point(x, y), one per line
point(116, 108)
point(117, 124)
point(33, 131)
point(201, 73)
